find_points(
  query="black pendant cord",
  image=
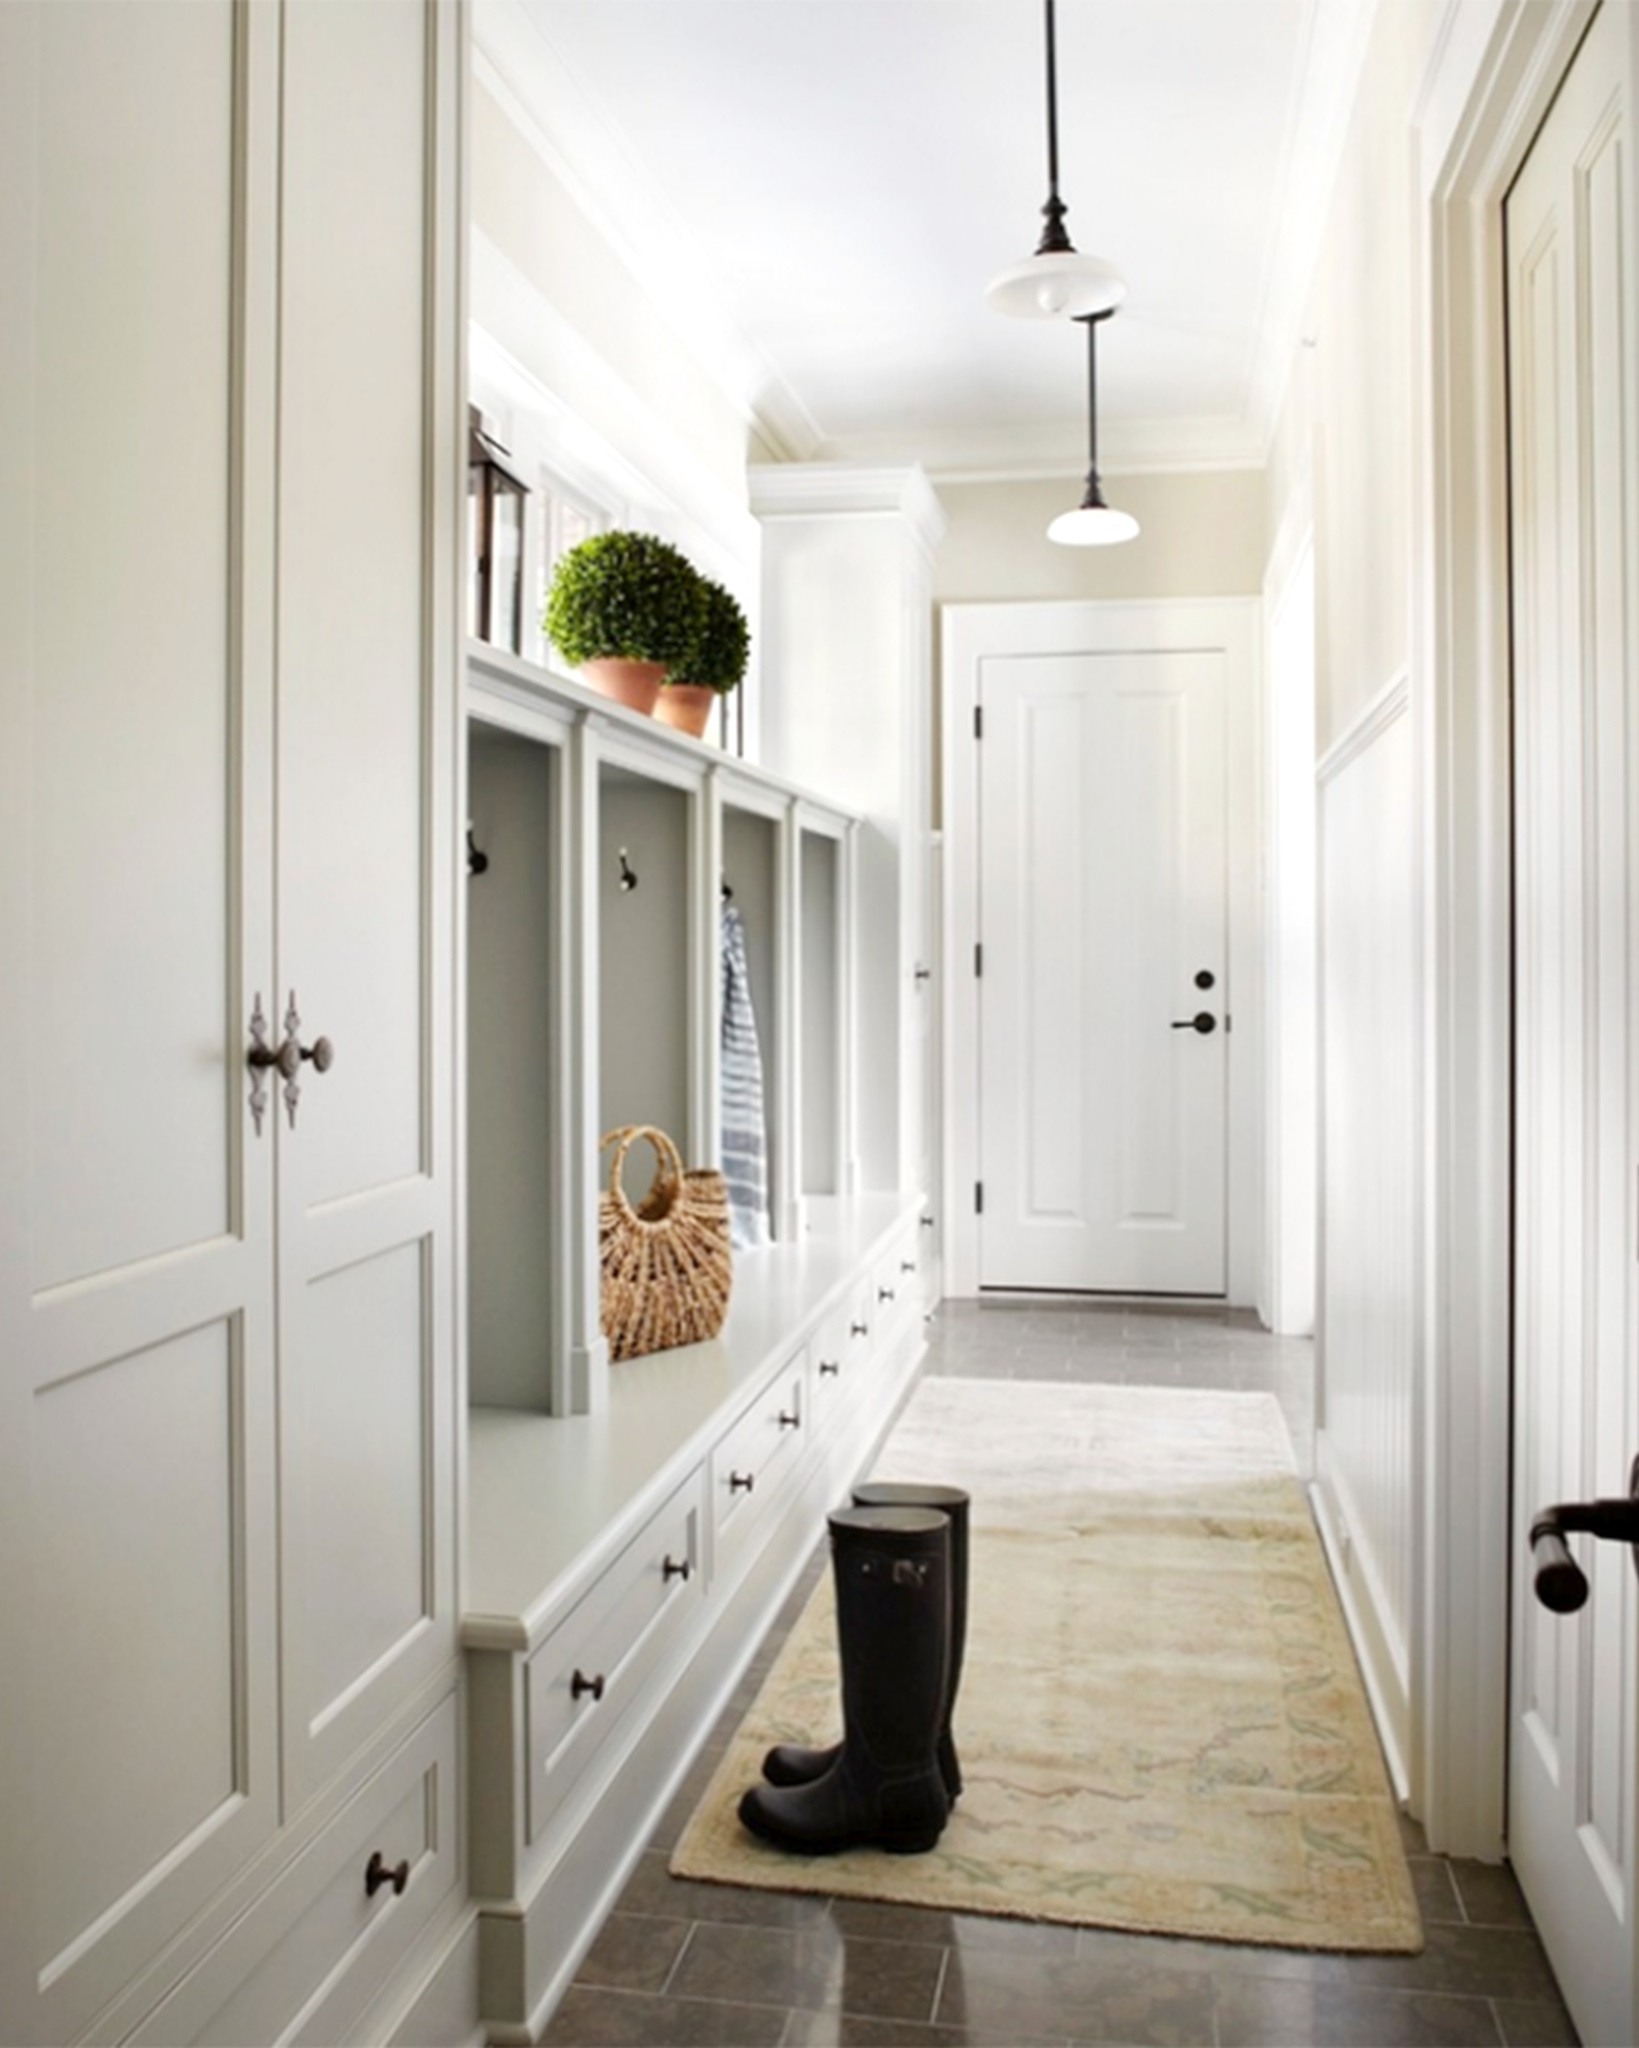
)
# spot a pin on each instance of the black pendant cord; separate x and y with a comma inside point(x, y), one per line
point(1054, 240)
point(1095, 490)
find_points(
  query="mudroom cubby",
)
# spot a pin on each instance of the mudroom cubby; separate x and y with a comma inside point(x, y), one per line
point(822, 968)
point(651, 942)
point(632, 1528)
point(515, 1064)
point(754, 845)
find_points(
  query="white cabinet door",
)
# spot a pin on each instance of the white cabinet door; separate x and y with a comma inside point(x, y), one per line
point(366, 690)
point(137, 1516)
point(228, 646)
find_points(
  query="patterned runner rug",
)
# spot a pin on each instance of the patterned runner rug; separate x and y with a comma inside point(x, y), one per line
point(1161, 1724)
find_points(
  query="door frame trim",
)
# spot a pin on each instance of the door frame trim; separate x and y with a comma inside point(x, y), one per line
point(968, 634)
point(1494, 68)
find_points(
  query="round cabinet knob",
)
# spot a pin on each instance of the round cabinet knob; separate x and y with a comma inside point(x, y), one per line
point(378, 1871)
point(580, 1684)
point(788, 1420)
point(741, 1482)
point(676, 1568)
point(829, 1368)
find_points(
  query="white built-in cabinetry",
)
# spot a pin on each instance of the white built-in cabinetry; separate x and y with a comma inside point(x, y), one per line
point(633, 1527)
point(229, 646)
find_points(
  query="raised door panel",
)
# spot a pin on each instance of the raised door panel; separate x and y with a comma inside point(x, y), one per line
point(137, 1608)
point(369, 433)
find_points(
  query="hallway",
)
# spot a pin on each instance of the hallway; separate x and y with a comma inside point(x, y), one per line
point(686, 1965)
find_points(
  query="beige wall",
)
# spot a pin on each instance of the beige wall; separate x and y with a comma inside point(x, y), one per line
point(1202, 535)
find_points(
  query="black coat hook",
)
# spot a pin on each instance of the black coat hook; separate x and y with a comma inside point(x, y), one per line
point(477, 863)
point(628, 879)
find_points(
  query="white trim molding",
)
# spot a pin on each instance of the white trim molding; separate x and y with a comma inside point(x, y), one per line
point(1494, 69)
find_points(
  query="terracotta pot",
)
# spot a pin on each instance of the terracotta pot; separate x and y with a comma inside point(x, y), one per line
point(687, 706)
point(636, 684)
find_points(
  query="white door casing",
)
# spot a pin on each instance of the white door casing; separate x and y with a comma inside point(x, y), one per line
point(1574, 357)
point(1192, 633)
point(1102, 929)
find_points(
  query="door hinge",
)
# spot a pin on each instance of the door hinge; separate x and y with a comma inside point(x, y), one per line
point(978, 722)
point(978, 959)
point(978, 1198)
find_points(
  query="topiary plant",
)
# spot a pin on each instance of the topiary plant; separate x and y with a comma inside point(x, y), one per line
point(631, 595)
point(717, 659)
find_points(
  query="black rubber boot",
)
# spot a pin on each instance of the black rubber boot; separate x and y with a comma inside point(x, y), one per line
point(884, 1788)
point(790, 1764)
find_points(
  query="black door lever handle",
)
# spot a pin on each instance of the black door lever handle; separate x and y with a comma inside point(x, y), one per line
point(1203, 1021)
point(1560, 1582)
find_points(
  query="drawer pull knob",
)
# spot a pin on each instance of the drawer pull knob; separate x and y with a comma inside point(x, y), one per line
point(580, 1683)
point(676, 1568)
point(907, 1265)
point(378, 1871)
point(884, 1294)
point(788, 1421)
point(741, 1482)
point(927, 1222)
point(859, 1329)
point(829, 1368)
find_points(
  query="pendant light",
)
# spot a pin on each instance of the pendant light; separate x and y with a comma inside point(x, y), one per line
point(1093, 524)
point(1058, 279)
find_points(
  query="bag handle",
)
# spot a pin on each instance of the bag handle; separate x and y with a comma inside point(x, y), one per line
point(668, 1171)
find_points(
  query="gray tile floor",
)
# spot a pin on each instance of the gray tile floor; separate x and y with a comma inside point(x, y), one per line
point(682, 1965)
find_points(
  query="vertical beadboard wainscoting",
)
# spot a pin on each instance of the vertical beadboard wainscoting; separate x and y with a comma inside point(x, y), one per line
point(1365, 1483)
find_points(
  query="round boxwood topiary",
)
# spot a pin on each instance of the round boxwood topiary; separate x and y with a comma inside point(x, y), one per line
point(717, 658)
point(627, 594)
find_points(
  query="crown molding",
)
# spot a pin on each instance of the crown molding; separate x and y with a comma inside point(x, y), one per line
point(801, 490)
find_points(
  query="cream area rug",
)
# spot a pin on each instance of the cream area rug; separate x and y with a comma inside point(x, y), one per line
point(1161, 1724)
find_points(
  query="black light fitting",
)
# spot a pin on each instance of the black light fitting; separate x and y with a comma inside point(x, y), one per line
point(1057, 280)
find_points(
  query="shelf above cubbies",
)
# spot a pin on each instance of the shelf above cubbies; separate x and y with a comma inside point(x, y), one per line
point(505, 690)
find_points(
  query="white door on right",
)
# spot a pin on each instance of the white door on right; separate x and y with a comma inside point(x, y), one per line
point(1103, 1019)
point(1574, 409)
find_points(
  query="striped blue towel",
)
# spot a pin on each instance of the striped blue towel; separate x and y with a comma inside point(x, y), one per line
point(745, 1140)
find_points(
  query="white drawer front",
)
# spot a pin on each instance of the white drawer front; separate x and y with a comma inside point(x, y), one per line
point(832, 1357)
point(307, 1959)
point(750, 1459)
point(578, 1681)
point(896, 1290)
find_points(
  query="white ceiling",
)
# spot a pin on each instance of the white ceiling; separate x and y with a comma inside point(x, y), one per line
point(821, 189)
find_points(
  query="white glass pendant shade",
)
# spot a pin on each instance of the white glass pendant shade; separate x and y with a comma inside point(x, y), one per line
point(1060, 284)
point(1093, 526)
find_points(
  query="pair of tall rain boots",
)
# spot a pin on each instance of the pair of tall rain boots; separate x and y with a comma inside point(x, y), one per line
point(899, 1557)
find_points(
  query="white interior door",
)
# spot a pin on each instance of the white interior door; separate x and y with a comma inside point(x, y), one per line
point(1574, 398)
point(1103, 998)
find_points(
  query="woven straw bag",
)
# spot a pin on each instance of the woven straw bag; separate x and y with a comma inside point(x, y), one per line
point(666, 1264)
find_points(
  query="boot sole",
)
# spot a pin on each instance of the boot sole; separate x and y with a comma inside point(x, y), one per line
point(917, 1844)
